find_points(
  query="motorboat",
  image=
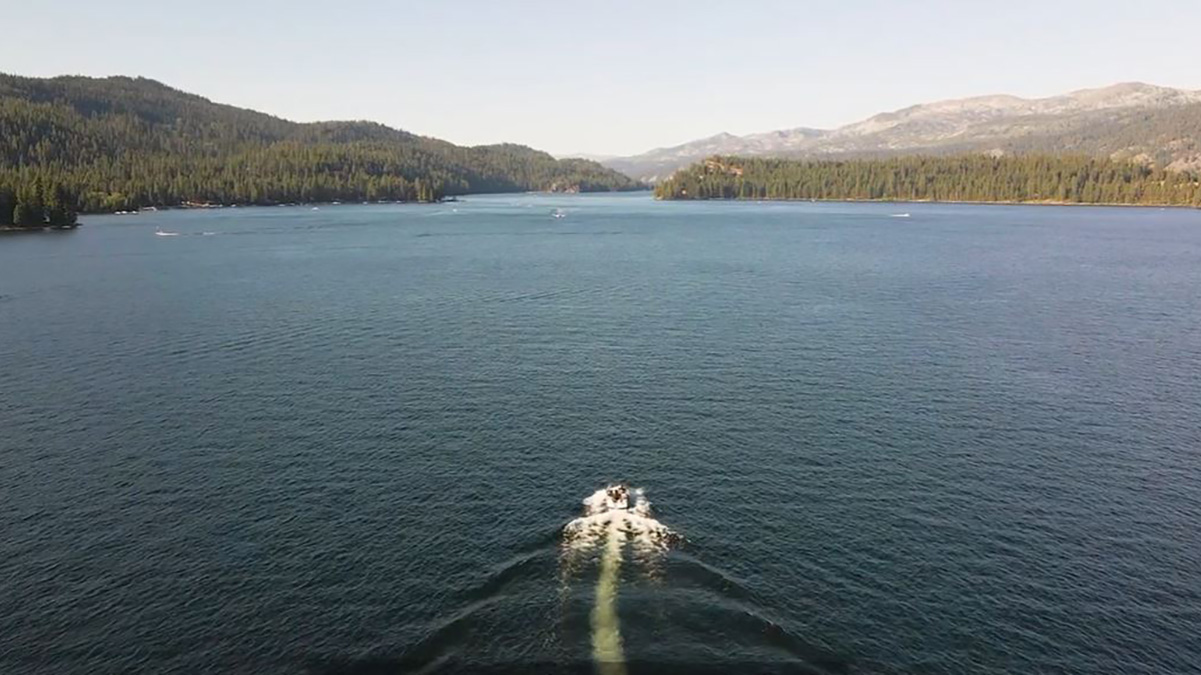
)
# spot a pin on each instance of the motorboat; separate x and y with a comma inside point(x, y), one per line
point(618, 497)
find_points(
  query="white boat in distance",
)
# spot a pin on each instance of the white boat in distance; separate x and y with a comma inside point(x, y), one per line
point(159, 231)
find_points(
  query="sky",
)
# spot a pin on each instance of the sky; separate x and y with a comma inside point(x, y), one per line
point(610, 77)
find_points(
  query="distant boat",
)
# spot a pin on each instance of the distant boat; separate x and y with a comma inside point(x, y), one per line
point(559, 213)
point(315, 208)
point(159, 231)
point(899, 215)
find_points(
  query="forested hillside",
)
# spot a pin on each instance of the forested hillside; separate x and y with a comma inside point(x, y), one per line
point(1029, 178)
point(121, 143)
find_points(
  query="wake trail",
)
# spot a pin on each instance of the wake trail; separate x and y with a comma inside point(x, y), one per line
point(613, 516)
point(606, 634)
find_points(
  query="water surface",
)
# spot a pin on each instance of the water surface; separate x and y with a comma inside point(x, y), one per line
point(347, 439)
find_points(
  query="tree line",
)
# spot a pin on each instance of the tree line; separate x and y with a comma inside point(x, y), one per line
point(122, 143)
point(971, 178)
point(36, 204)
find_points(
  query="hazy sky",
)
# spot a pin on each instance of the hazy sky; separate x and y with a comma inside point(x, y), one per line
point(606, 76)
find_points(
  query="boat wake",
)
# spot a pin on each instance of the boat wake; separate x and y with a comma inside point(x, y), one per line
point(618, 508)
point(613, 517)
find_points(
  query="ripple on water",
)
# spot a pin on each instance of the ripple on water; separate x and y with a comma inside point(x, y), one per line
point(331, 443)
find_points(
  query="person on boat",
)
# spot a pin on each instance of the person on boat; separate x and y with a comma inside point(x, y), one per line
point(618, 495)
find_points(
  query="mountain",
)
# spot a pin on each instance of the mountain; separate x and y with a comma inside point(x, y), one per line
point(585, 155)
point(122, 143)
point(1138, 121)
point(661, 162)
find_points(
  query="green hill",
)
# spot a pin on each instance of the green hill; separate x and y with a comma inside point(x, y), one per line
point(122, 143)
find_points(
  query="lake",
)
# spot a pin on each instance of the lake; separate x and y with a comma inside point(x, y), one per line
point(348, 439)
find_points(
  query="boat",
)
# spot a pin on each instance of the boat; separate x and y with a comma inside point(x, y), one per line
point(559, 213)
point(159, 231)
point(899, 215)
point(618, 497)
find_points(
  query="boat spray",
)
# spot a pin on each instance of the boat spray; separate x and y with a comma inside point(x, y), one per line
point(613, 517)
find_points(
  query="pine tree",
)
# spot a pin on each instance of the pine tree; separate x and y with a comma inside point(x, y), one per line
point(8, 202)
point(25, 215)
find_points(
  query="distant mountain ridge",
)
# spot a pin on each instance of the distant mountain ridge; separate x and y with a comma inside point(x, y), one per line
point(1132, 120)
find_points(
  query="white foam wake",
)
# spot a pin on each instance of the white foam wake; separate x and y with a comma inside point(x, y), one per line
point(612, 517)
point(606, 633)
point(620, 509)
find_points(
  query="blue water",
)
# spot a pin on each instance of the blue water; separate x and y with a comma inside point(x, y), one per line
point(346, 440)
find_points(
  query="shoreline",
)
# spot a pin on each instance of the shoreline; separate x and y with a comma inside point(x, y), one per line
point(460, 198)
point(449, 199)
point(44, 228)
point(221, 207)
point(453, 199)
point(1045, 202)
